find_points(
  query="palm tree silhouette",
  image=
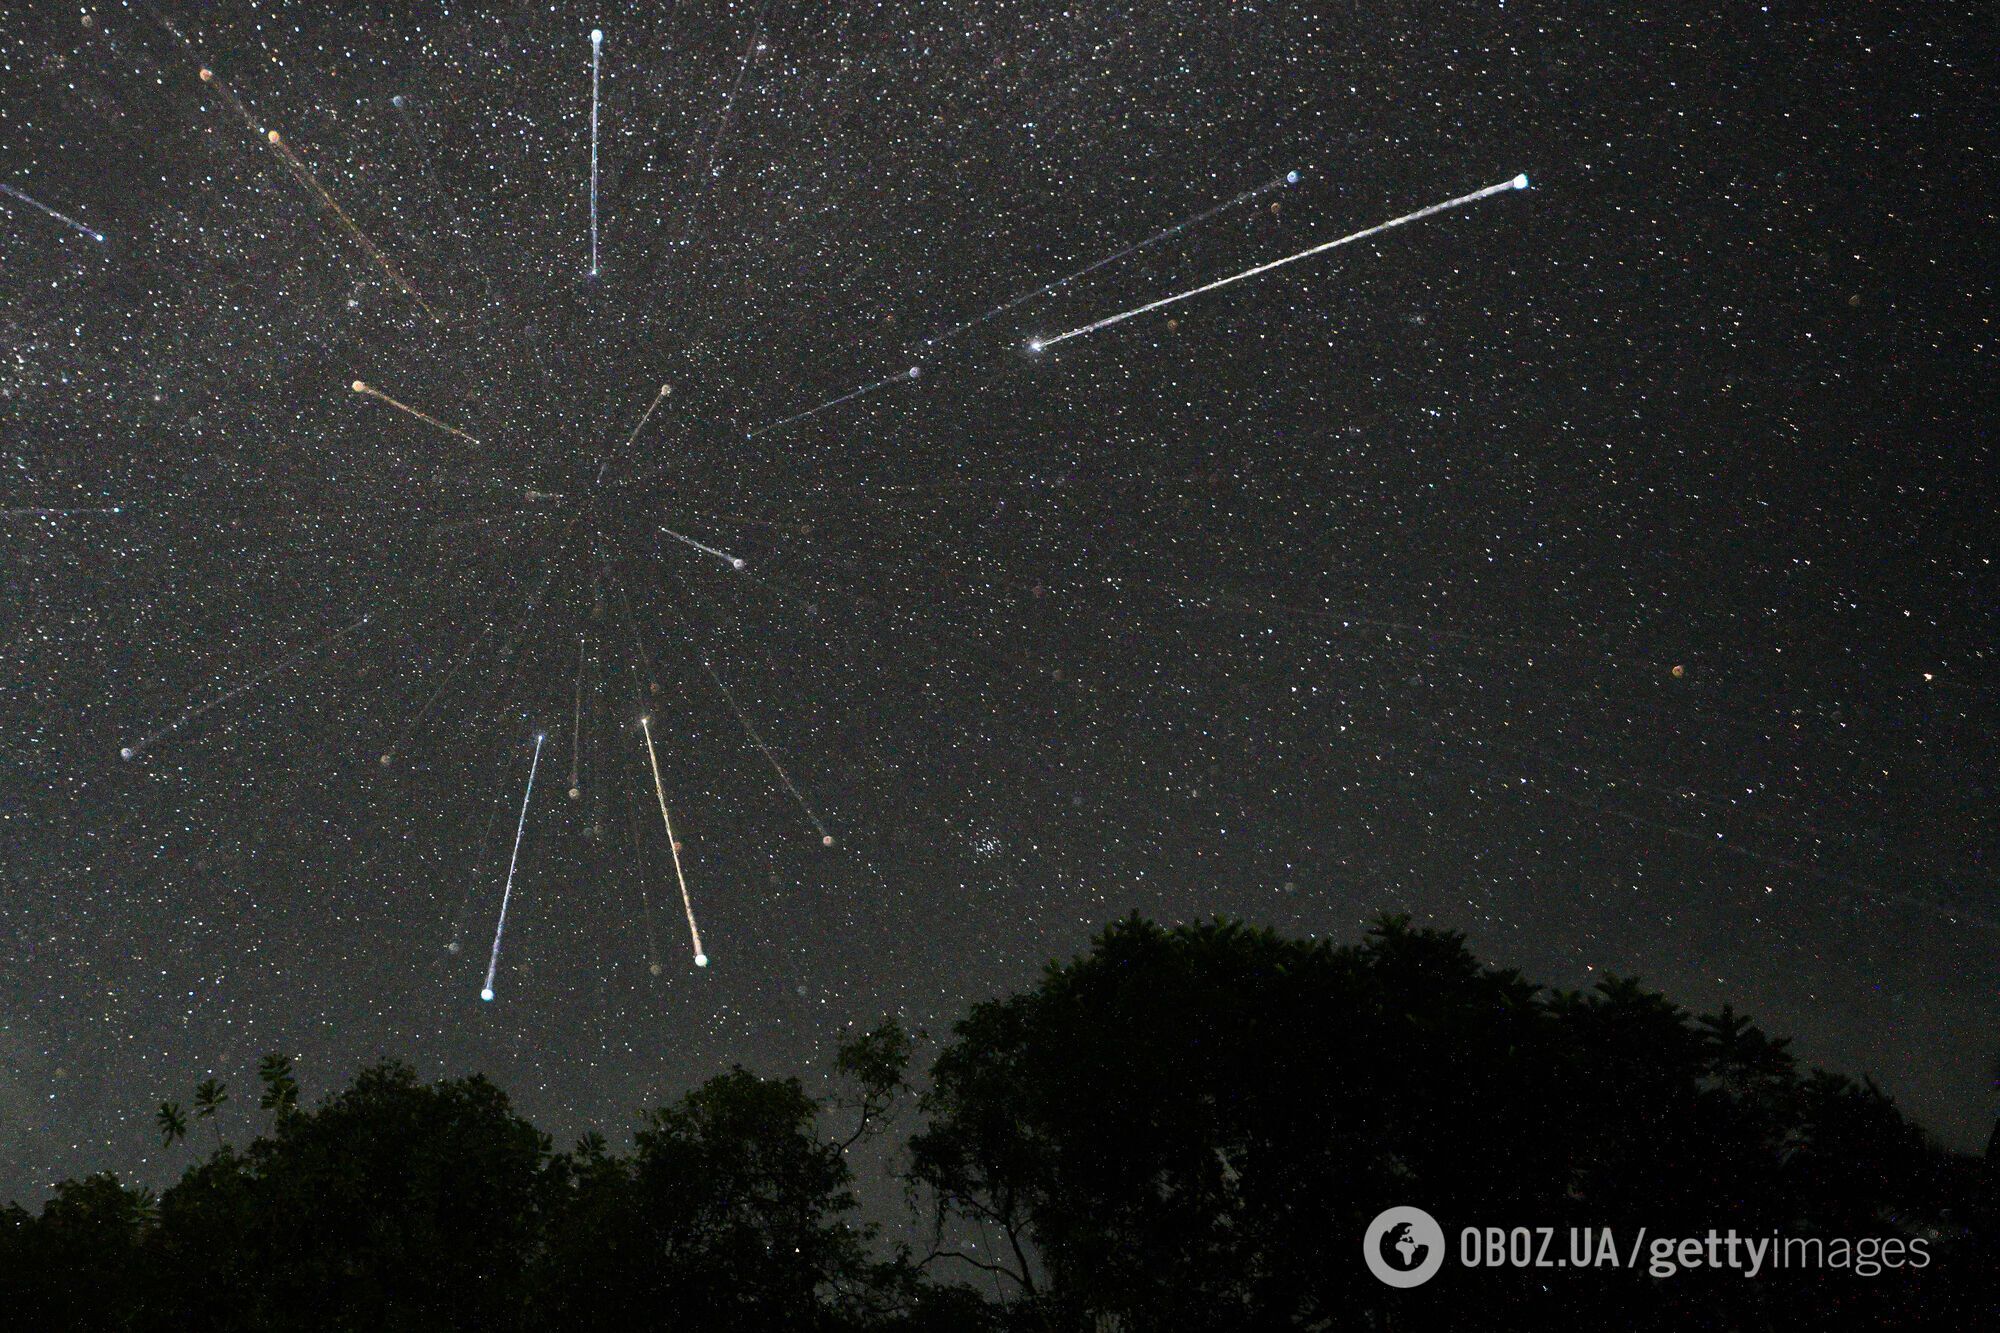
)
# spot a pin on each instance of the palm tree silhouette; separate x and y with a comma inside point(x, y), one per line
point(172, 1123)
point(209, 1095)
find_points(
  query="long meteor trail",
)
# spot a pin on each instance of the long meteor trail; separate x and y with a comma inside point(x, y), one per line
point(63, 218)
point(1289, 178)
point(596, 55)
point(1517, 183)
point(507, 894)
point(137, 747)
point(912, 373)
point(825, 838)
point(694, 931)
point(363, 387)
point(304, 175)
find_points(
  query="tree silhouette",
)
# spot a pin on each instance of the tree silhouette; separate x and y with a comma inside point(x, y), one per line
point(209, 1096)
point(172, 1123)
point(1193, 1127)
point(1183, 1128)
point(281, 1089)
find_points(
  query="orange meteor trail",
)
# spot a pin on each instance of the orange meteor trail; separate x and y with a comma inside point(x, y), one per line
point(362, 386)
point(700, 958)
point(311, 182)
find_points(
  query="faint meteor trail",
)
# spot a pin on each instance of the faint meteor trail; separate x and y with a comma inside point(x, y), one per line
point(596, 53)
point(939, 339)
point(305, 177)
point(673, 845)
point(57, 513)
point(605, 462)
point(825, 838)
point(912, 373)
point(734, 562)
point(63, 218)
point(136, 748)
point(1517, 183)
point(576, 728)
point(1289, 178)
point(363, 387)
point(507, 894)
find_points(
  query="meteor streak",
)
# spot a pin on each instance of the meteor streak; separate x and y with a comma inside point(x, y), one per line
point(63, 218)
point(361, 386)
point(137, 747)
point(507, 894)
point(700, 958)
point(735, 562)
point(825, 838)
point(1289, 178)
point(1517, 183)
point(912, 373)
point(644, 417)
point(596, 51)
point(306, 178)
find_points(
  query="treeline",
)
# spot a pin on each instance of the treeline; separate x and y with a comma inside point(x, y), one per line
point(1183, 1129)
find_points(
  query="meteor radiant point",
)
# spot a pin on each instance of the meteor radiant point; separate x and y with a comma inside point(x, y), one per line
point(1517, 183)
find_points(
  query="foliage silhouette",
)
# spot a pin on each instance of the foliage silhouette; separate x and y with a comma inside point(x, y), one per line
point(1183, 1128)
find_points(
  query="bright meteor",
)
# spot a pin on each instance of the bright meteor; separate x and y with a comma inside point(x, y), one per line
point(507, 894)
point(363, 387)
point(673, 844)
point(596, 55)
point(734, 562)
point(63, 218)
point(1517, 183)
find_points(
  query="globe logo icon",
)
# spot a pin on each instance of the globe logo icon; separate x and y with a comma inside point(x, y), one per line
point(1404, 1247)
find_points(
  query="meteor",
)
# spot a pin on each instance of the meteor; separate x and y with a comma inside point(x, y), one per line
point(912, 373)
point(596, 52)
point(136, 748)
point(1289, 178)
point(507, 894)
point(363, 387)
point(734, 562)
point(1517, 183)
point(825, 838)
point(305, 177)
point(63, 218)
point(694, 931)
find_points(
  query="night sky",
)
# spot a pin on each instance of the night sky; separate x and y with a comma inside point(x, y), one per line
point(1596, 569)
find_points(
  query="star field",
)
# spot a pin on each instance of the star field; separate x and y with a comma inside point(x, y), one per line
point(1595, 569)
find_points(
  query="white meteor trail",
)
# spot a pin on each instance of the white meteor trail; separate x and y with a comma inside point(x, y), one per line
point(596, 51)
point(1289, 178)
point(605, 462)
point(57, 513)
point(694, 931)
point(734, 562)
point(825, 838)
point(63, 218)
point(507, 894)
point(912, 373)
point(1517, 183)
point(136, 748)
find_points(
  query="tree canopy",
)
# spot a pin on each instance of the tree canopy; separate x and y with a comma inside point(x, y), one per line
point(1185, 1127)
